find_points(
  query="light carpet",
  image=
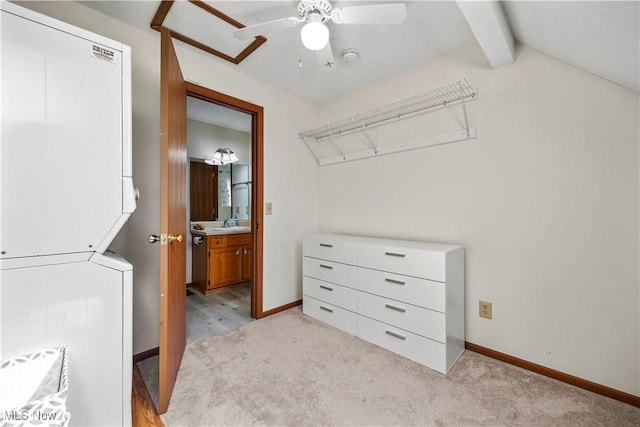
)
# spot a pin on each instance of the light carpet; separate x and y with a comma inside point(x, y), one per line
point(289, 369)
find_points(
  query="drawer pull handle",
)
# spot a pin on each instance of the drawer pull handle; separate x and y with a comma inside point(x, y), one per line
point(326, 266)
point(395, 254)
point(396, 308)
point(326, 287)
point(397, 282)
point(395, 334)
point(326, 309)
point(326, 245)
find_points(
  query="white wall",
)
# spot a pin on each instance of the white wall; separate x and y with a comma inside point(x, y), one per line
point(292, 187)
point(545, 202)
point(203, 139)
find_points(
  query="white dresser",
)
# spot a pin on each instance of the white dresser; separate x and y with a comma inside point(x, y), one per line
point(407, 297)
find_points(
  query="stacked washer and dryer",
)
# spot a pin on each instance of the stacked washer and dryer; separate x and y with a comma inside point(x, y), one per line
point(66, 191)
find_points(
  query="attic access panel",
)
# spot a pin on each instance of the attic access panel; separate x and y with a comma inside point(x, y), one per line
point(196, 23)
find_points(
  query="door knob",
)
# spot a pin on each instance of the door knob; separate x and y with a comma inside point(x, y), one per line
point(171, 238)
point(164, 238)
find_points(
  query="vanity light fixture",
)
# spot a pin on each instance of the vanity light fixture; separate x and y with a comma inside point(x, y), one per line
point(222, 156)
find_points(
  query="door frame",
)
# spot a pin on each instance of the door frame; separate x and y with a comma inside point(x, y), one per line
point(257, 173)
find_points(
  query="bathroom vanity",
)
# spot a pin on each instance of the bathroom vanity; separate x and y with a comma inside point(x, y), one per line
point(220, 258)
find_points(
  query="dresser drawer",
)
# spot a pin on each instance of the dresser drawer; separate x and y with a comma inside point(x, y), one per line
point(330, 271)
point(401, 260)
point(420, 292)
point(330, 314)
point(418, 320)
point(419, 349)
point(337, 295)
point(331, 248)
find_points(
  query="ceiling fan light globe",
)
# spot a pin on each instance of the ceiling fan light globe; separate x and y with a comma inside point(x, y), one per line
point(314, 35)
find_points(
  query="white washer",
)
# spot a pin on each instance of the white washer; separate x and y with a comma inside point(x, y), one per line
point(86, 304)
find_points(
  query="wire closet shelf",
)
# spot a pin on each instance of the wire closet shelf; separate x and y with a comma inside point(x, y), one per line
point(443, 96)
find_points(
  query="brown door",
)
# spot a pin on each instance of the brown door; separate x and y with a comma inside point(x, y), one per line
point(225, 266)
point(203, 184)
point(173, 169)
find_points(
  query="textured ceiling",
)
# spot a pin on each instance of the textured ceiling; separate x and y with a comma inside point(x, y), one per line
point(430, 29)
point(600, 37)
point(207, 112)
point(384, 49)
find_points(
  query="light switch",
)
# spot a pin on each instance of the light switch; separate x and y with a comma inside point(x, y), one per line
point(268, 209)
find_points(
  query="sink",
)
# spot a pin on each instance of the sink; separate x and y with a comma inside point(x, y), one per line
point(234, 228)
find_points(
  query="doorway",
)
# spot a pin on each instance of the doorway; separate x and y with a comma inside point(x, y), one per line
point(219, 263)
point(255, 189)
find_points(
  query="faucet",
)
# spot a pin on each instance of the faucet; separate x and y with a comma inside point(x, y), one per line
point(225, 224)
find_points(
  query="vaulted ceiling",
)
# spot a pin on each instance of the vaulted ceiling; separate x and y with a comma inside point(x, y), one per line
point(600, 37)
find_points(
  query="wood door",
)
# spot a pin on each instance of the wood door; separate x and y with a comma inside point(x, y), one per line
point(203, 184)
point(173, 169)
point(225, 266)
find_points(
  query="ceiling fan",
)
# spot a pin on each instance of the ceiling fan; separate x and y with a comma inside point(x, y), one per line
point(316, 13)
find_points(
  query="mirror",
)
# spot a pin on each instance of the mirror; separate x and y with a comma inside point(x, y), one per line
point(224, 192)
point(219, 192)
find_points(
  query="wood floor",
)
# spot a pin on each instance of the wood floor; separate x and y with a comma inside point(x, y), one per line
point(219, 313)
point(216, 314)
point(143, 411)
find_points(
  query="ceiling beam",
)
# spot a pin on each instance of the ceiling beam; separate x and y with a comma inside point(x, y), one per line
point(489, 25)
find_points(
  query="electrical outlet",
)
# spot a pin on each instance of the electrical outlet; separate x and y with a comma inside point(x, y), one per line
point(485, 309)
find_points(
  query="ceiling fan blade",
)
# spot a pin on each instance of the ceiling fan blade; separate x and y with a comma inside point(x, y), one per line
point(266, 27)
point(390, 13)
point(325, 57)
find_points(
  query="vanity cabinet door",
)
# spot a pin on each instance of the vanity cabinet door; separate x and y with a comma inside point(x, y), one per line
point(229, 260)
point(224, 266)
point(247, 263)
